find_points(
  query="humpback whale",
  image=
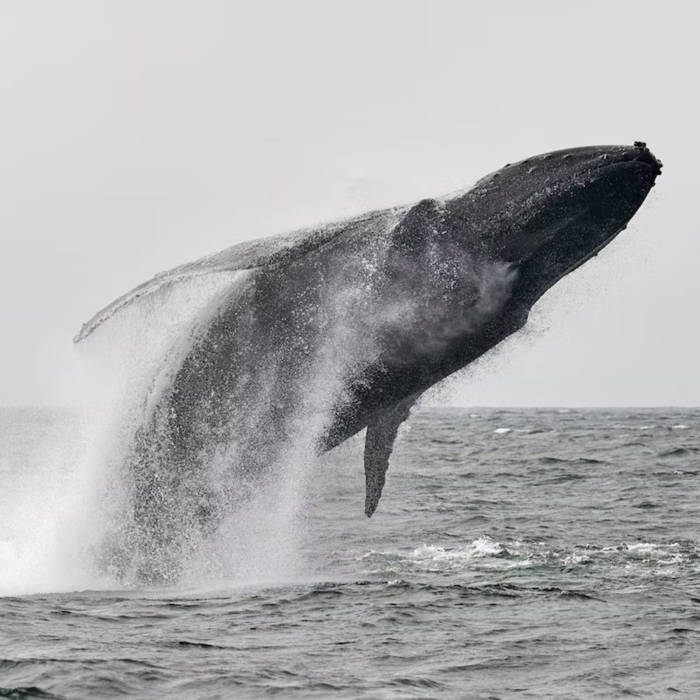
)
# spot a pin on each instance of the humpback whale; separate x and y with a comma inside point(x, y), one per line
point(325, 332)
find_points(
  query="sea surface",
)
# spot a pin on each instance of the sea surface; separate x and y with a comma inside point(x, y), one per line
point(515, 554)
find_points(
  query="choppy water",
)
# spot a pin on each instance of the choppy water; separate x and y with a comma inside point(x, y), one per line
point(528, 553)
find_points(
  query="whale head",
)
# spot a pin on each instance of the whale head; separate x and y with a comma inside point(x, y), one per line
point(548, 214)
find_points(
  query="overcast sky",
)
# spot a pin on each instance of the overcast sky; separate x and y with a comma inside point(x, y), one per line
point(139, 135)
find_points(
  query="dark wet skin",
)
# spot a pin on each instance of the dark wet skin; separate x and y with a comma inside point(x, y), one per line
point(332, 334)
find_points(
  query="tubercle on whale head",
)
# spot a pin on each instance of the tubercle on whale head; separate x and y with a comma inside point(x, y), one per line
point(549, 213)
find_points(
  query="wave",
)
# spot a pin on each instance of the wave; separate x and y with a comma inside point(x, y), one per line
point(548, 459)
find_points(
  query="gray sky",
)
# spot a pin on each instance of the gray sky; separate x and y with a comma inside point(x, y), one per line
point(139, 135)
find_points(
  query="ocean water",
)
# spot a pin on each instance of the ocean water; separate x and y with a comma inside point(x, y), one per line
point(515, 553)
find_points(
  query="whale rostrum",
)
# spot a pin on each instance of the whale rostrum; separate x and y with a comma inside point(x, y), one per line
point(331, 330)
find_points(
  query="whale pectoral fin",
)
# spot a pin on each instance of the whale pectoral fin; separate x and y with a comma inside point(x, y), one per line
point(379, 442)
point(249, 255)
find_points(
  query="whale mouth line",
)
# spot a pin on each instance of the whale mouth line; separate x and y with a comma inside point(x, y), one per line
point(628, 164)
point(651, 163)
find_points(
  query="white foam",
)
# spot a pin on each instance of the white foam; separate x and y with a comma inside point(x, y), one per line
point(49, 519)
point(428, 555)
point(59, 503)
point(641, 547)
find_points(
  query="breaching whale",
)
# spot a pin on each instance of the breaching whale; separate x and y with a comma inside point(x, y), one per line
point(342, 327)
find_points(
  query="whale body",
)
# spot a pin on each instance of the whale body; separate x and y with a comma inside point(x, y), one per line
point(335, 329)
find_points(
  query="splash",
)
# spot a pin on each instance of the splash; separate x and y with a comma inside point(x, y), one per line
point(64, 493)
point(212, 398)
point(47, 505)
point(251, 530)
point(207, 475)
